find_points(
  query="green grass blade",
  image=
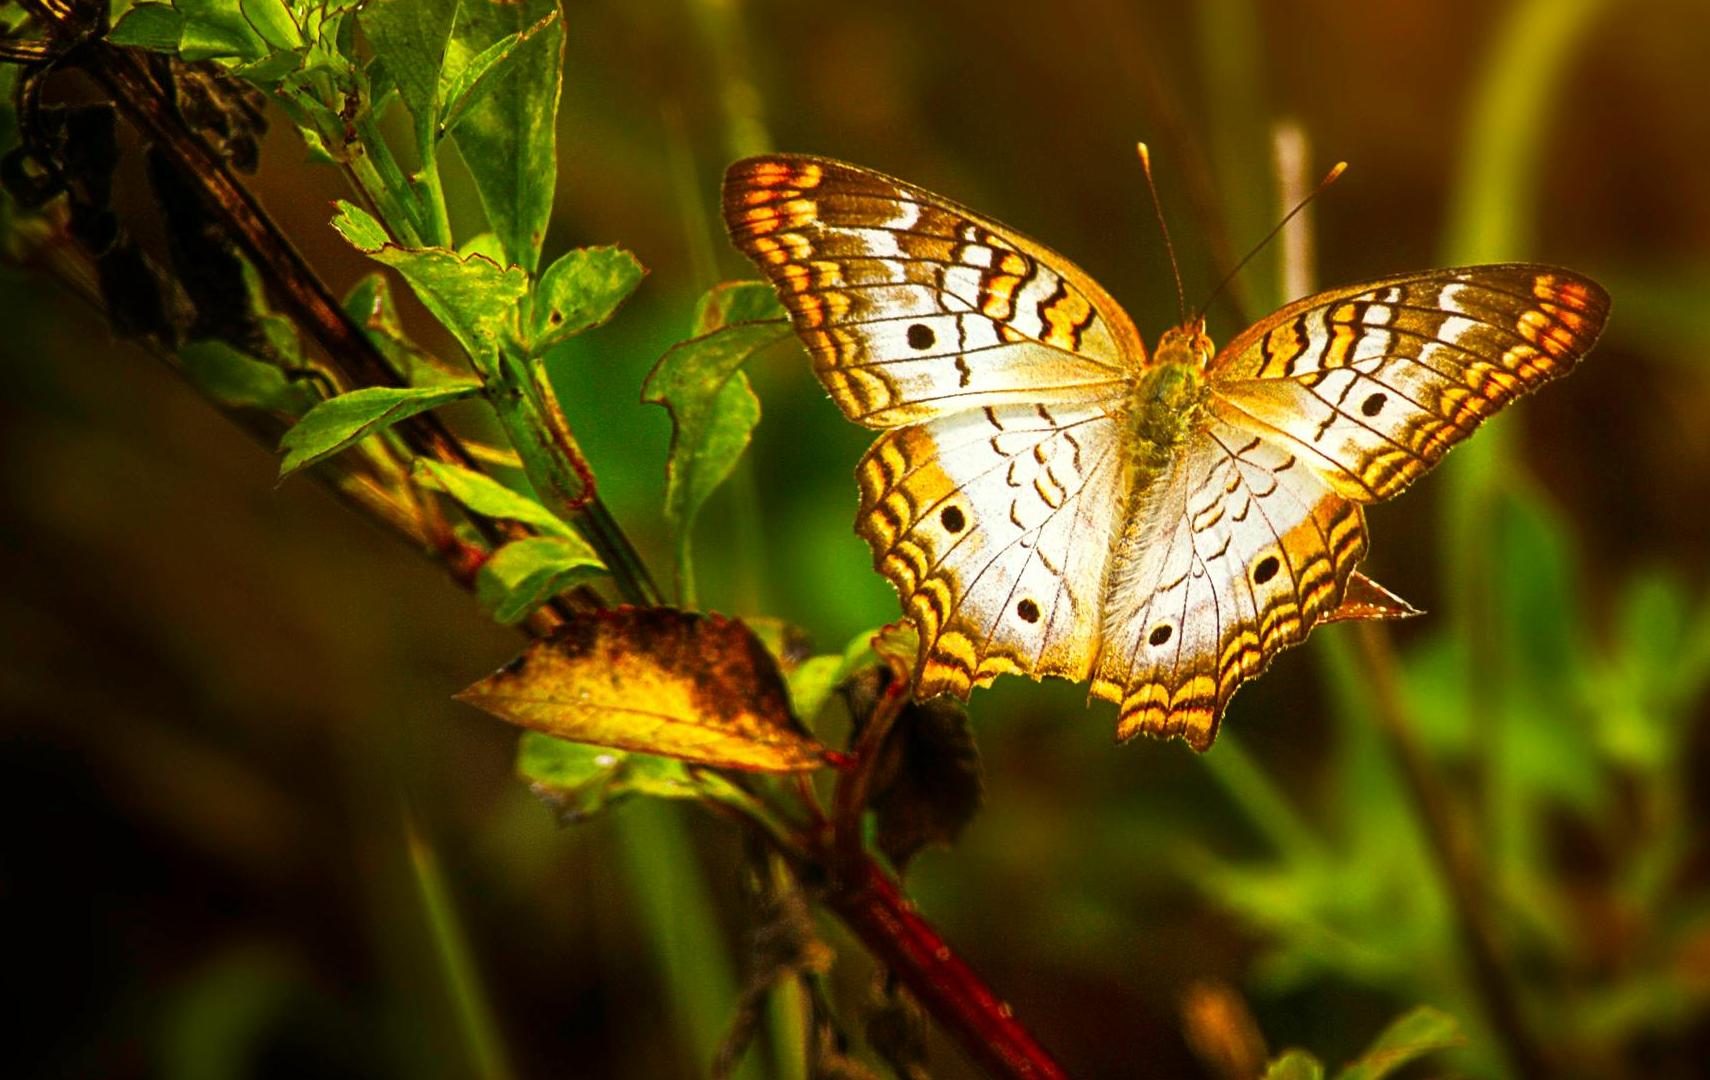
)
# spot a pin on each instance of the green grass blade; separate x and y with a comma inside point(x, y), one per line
point(475, 1016)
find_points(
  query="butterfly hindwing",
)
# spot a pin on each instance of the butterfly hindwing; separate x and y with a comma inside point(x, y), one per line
point(1233, 554)
point(1372, 384)
point(913, 307)
point(994, 525)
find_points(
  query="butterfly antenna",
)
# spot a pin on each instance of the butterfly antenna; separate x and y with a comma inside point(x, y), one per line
point(1329, 178)
point(1146, 167)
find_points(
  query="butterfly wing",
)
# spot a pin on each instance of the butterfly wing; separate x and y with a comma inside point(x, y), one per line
point(1372, 384)
point(914, 307)
point(1252, 536)
point(995, 525)
point(1000, 370)
point(1230, 555)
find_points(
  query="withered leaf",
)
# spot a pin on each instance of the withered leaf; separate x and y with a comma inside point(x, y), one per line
point(927, 783)
point(698, 688)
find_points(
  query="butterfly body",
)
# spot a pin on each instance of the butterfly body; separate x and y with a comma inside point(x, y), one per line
point(1048, 500)
point(1168, 398)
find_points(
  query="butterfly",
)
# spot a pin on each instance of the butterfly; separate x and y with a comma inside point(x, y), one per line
point(1050, 500)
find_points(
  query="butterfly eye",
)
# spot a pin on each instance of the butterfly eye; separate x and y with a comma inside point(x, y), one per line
point(1373, 405)
point(952, 519)
point(1160, 634)
point(1028, 610)
point(1265, 570)
point(920, 336)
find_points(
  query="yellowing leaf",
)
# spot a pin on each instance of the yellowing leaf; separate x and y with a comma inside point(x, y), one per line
point(699, 688)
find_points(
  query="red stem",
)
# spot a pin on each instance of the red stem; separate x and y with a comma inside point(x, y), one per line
point(872, 906)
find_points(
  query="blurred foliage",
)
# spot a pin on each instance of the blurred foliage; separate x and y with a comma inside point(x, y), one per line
point(217, 694)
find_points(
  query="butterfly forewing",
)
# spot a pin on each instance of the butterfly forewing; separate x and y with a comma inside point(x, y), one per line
point(913, 307)
point(1233, 554)
point(1373, 384)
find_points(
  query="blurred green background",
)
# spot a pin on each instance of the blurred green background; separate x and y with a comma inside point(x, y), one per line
point(226, 704)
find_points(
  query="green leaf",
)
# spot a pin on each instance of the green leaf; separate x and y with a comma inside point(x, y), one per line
point(273, 23)
point(487, 497)
point(358, 227)
point(235, 378)
point(525, 574)
point(412, 35)
point(477, 77)
point(712, 409)
point(1295, 1065)
point(677, 684)
point(580, 780)
point(370, 305)
point(338, 422)
point(149, 26)
point(812, 682)
point(484, 244)
point(217, 29)
point(473, 297)
point(1418, 1033)
point(508, 138)
point(582, 289)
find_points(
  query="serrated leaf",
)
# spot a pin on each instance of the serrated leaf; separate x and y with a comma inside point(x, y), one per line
point(713, 411)
point(338, 422)
point(1295, 1065)
point(473, 297)
point(235, 378)
point(579, 780)
point(149, 26)
point(508, 137)
point(476, 78)
point(412, 36)
point(1418, 1033)
point(487, 497)
point(581, 290)
point(658, 681)
point(525, 574)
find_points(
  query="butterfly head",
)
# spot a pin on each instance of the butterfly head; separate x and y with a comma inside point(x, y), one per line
point(1187, 345)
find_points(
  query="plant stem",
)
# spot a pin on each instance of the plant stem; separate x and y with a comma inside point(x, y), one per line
point(849, 800)
point(1458, 863)
point(872, 906)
